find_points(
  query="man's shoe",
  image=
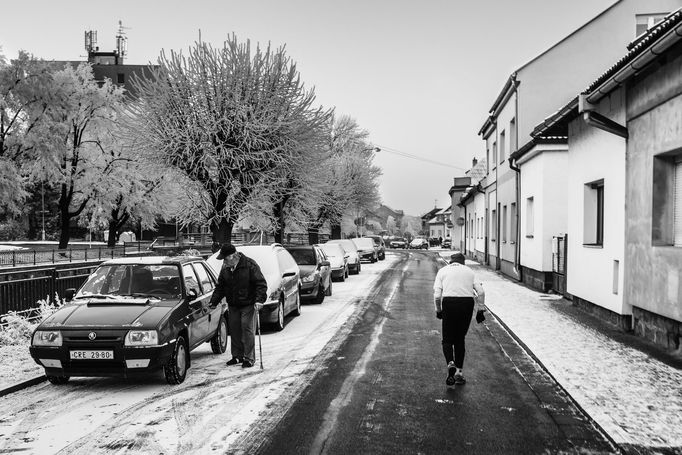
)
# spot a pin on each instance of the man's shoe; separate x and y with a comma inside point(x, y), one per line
point(247, 364)
point(233, 361)
point(459, 379)
point(450, 380)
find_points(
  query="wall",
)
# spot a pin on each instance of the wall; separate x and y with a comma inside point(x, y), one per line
point(543, 177)
point(594, 154)
point(653, 274)
point(588, 52)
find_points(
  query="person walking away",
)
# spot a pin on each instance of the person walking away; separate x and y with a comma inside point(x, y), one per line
point(242, 283)
point(454, 290)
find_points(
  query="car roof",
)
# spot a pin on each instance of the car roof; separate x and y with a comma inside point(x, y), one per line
point(153, 260)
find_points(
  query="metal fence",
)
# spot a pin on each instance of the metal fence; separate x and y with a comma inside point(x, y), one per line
point(15, 258)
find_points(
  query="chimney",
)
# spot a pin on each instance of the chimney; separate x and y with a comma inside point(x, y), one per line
point(474, 162)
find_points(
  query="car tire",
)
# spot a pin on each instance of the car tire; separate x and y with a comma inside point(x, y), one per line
point(328, 292)
point(219, 340)
point(346, 273)
point(382, 257)
point(319, 298)
point(58, 380)
point(279, 323)
point(297, 308)
point(175, 370)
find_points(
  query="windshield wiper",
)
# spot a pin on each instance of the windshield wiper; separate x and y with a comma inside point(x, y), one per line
point(95, 296)
point(142, 294)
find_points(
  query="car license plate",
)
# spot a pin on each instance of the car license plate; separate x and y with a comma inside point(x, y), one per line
point(92, 355)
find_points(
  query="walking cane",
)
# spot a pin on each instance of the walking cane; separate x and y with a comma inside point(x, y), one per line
point(260, 343)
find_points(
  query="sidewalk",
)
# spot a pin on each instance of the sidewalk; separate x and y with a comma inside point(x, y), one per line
point(635, 398)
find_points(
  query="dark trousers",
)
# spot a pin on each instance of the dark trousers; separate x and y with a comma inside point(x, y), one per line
point(242, 322)
point(457, 312)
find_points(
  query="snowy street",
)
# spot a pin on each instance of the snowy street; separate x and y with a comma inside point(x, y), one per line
point(214, 409)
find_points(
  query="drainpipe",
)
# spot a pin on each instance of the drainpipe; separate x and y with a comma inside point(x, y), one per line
point(517, 256)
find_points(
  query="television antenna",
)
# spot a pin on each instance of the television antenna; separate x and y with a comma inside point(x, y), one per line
point(122, 40)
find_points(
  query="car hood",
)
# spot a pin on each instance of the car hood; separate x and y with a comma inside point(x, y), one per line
point(335, 261)
point(98, 313)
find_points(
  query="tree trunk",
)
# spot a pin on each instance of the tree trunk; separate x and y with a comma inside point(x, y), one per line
point(65, 233)
point(221, 231)
point(278, 212)
point(313, 235)
point(336, 231)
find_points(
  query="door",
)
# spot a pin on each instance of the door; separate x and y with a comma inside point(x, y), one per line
point(198, 328)
point(207, 284)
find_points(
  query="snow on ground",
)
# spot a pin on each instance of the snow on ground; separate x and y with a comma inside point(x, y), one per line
point(636, 399)
point(213, 410)
point(17, 365)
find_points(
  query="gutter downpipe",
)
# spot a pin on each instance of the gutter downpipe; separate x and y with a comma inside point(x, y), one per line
point(514, 167)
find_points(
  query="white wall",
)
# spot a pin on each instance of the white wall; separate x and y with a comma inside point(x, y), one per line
point(543, 177)
point(595, 154)
point(479, 209)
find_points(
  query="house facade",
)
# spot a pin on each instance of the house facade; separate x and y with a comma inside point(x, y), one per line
point(533, 91)
point(457, 213)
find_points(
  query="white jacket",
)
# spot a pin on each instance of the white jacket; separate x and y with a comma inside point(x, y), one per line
point(456, 280)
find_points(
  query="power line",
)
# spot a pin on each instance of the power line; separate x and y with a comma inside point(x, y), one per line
point(418, 158)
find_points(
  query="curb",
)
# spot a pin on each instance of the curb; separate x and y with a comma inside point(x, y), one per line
point(530, 353)
point(22, 385)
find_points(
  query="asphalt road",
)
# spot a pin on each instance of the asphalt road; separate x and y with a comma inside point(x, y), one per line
point(383, 390)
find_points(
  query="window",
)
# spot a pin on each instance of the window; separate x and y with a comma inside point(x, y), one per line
point(494, 155)
point(593, 228)
point(529, 217)
point(487, 160)
point(512, 222)
point(616, 272)
point(644, 22)
point(493, 225)
point(502, 146)
point(666, 223)
point(204, 278)
point(120, 78)
point(191, 282)
point(504, 224)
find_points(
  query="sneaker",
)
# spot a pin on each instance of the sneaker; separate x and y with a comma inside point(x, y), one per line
point(233, 361)
point(459, 379)
point(247, 364)
point(450, 380)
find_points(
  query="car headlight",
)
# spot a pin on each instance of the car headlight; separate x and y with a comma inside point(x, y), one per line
point(47, 338)
point(142, 338)
point(309, 278)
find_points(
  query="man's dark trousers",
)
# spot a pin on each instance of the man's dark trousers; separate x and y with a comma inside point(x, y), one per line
point(242, 321)
point(457, 312)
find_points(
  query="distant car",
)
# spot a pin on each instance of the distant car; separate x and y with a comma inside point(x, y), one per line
point(338, 259)
point(354, 266)
point(447, 243)
point(366, 249)
point(398, 242)
point(381, 247)
point(316, 276)
point(131, 316)
point(283, 276)
point(419, 244)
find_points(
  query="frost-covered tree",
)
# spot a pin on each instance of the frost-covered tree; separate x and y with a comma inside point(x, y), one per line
point(229, 118)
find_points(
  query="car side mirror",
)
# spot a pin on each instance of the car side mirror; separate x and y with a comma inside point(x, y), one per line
point(69, 293)
point(324, 264)
point(288, 274)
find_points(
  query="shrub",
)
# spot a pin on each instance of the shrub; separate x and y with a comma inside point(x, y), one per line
point(16, 327)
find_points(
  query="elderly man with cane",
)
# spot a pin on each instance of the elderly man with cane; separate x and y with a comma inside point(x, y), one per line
point(242, 283)
point(454, 294)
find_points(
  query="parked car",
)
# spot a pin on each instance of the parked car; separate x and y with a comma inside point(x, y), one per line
point(419, 244)
point(283, 276)
point(131, 316)
point(447, 243)
point(316, 276)
point(338, 258)
point(366, 249)
point(398, 242)
point(354, 266)
point(380, 245)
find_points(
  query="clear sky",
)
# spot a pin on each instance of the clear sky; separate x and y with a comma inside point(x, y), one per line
point(420, 76)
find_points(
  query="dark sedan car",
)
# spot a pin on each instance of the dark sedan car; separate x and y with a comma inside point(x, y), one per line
point(398, 242)
point(133, 315)
point(316, 276)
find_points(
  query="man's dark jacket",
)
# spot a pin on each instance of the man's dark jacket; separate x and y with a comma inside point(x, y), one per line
point(242, 287)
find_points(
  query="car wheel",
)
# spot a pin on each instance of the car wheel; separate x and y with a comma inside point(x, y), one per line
point(58, 380)
point(346, 272)
point(320, 293)
point(382, 257)
point(329, 288)
point(279, 323)
point(176, 368)
point(219, 340)
point(297, 310)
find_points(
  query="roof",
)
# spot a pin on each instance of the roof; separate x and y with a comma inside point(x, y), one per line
point(152, 260)
point(478, 172)
point(469, 193)
point(428, 215)
point(528, 146)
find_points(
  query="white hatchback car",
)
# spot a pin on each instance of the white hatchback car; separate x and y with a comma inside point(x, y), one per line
point(283, 276)
point(354, 266)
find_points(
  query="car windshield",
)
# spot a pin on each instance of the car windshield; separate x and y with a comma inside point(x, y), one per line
point(303, 256)
point(347, 245)
point(132, 280)
point(333, 250)
point(399, 239)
